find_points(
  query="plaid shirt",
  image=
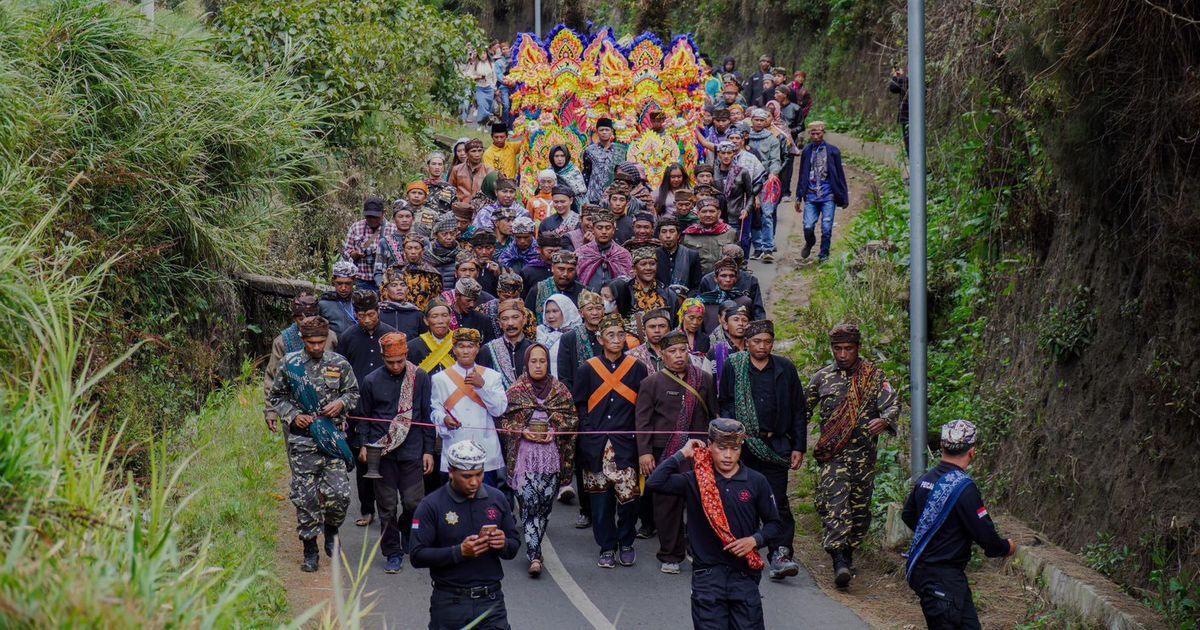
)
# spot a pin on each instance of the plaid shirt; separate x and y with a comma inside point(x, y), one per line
point(360, 237)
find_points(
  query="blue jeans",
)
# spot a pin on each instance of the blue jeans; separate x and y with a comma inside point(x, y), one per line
point(764, 237)
point(483, 103)
point(824, 211)
point(505, 103)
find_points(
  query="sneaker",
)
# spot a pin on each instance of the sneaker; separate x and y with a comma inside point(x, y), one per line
point(646, 533)
point(671, 568)
point(607, 560)
point(756, 255)
point(583, 522)
point(394, 563)
point(566, 494)
point(768, 258)
point(627, 556)
point(782, 566)
point(806, 251)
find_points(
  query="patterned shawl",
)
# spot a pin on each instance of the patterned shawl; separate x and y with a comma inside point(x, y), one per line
point(558, 405)
point(398, 429)
point(683, 423)
point(720, 228)
point(714, 510)
point(617, 258)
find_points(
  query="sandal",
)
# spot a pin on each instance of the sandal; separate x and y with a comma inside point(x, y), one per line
point(365, 520)
point(535, 569)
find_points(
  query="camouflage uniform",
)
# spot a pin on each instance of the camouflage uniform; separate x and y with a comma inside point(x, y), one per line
point(848, 480)
point(316, 477)
point(278, 351)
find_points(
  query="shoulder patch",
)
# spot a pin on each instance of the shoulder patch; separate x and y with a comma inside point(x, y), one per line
point(981, 512)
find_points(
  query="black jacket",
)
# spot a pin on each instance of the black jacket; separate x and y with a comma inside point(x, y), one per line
point(788, 426)
point(837, 176)
point(970, 523)
point(405, 318)
point(380, 396)
point(682, 268)
point(747, 283)
point(623, 294)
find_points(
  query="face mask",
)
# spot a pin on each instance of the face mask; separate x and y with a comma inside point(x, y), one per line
point(610, 307)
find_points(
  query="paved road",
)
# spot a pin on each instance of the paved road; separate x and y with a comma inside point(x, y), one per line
point(574, 593)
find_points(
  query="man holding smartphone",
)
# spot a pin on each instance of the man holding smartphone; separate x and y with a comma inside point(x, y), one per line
point(460, 532)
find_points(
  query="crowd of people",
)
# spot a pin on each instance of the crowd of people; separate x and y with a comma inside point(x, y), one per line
point(501, 354)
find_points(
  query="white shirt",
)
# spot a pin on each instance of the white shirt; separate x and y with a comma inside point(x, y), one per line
point(478, 423)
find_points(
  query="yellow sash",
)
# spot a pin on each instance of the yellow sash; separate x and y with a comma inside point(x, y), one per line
point(439, 353)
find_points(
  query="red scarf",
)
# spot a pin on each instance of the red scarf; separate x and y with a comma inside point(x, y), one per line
point(714, 510)
point(720, 228)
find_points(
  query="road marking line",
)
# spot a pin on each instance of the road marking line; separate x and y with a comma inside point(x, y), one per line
point(579, 599)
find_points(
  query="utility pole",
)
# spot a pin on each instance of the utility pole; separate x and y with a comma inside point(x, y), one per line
point(147, 7)
point(918, 335)
point(537, 18)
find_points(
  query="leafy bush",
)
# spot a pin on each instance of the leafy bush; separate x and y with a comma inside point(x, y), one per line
point(1064, 333)
point(379, 65)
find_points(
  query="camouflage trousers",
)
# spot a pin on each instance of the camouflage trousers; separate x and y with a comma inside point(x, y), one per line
point(844, 500)
point(320, 487)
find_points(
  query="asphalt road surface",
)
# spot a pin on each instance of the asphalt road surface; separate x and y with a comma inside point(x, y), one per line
point(573, 592)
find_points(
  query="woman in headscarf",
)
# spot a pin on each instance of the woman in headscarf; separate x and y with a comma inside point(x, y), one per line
point(691, 322)
point(568, 175)
point(540, 410)
point(559, 315)
point(459, 153)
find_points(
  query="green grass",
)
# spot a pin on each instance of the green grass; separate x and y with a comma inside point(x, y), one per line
point(233, 471)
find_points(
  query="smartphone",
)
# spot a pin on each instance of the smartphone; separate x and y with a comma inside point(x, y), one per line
point(486, 531)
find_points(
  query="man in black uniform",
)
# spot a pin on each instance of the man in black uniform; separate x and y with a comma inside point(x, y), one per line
point(763, 391)
point(360, 345)
point(946, 511)
point(730, 514)
point(399, 392)
point(460, 532)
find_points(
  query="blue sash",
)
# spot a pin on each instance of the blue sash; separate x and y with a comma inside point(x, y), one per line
point(291, 339)
point(330, 441)
point(938, 507)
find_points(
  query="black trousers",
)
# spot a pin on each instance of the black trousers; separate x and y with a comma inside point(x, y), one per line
point(366, 489)
point(646, 513)
point(668, 517)
point(777, 478)
point(453, 611)
point(585, 504)
point(945, 598)
point(724, 598)
point(403, 480)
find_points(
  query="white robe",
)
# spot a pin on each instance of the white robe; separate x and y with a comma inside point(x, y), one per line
point(477, 422)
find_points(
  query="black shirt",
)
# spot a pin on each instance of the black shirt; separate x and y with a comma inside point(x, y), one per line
point(613, 413)
point(362, 350)
point(516, 354)
point(444, 519)
point(970, 522)
point(568, 356)
point(762, 386)
point(748, 503)
point(533, 274)
point(380, 398)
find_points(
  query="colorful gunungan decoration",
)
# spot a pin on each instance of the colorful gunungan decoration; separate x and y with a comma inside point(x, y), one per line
point(564, 84)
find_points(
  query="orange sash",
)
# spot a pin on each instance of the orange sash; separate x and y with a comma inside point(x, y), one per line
point(462, 389)
point(612, 381)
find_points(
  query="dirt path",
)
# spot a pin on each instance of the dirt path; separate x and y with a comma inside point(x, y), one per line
point(879, 594)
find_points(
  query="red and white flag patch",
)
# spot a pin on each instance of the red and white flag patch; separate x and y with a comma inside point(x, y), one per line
point(416, 524)
point(981, 512)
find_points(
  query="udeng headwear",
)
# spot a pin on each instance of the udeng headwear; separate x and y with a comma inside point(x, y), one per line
point(588, 298)
point(816, 125)
point(726, 432)
point(523, 226)
point(612, 320)
point(468, 288)
point(468, 334)
point(305, 305)
point(461, 211)
point(845, 333)
point(465, 258)
point(505, 214)
point(683, 194)
point(418, 185)
point(658, 313)
point(365, 301)
point(509, 282)
point(729, 308)
point(446, 222)
point(647, 217)
point(674, 338)
point(563, 190)
point(483, 239)
point(314, 327)
point(394, 344)
point(562, 257)
point(707, 202)
point(732, 250)
point(510, 305)
point(725, 263)
point(474, 143)
point(643, 253)
point(435, 303)
point(724, 146)
point(958, 435)
point(344, 269)
point(759, 327)
point(547, 239)
point(466, 455)
point(413, 237)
